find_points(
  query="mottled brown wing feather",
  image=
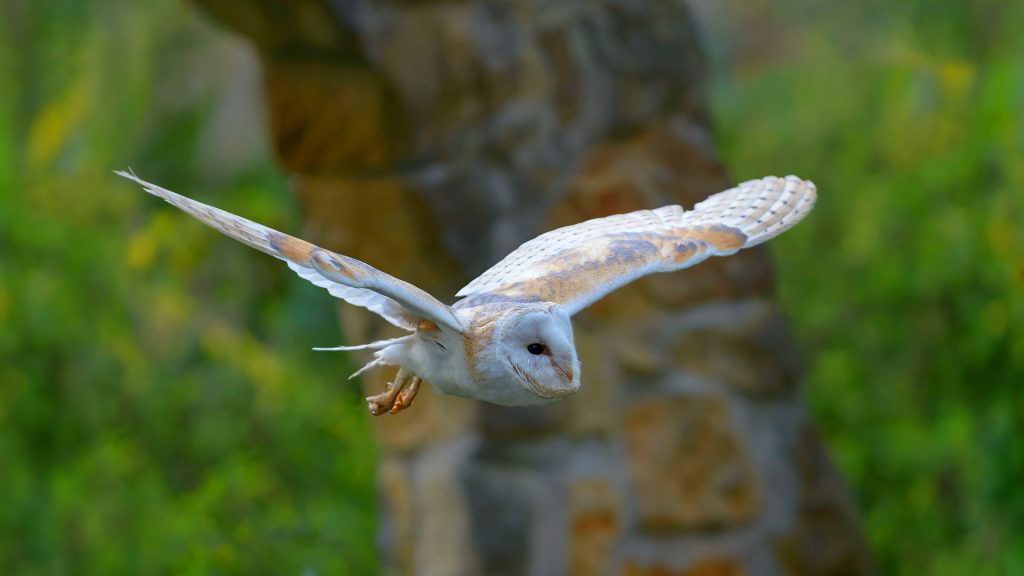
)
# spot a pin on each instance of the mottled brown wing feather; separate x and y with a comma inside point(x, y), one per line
point(360, 284)
point(577, 265)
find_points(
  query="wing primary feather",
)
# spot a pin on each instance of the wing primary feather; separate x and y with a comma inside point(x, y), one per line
point(371, 364)
point(245, 231)
point(358, 283)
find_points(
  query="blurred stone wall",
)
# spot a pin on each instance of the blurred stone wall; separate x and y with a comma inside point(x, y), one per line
point(431, 138)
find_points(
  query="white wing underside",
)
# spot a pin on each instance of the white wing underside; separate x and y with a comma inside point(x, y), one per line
point(379, 304)
point(579, 264)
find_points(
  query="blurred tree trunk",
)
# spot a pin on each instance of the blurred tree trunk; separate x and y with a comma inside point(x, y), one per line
point(429, 139)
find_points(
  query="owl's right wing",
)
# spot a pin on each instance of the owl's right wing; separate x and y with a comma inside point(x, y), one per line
point(355, 282)
point(577, 265)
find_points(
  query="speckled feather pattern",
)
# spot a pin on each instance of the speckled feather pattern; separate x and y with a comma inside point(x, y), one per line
point(579, 264)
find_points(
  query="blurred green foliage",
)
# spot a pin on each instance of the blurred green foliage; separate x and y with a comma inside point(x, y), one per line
point(158, 414)
point(905, 286)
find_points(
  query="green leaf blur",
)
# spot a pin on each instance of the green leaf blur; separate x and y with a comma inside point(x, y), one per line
point(160, 406)
point(906, 284)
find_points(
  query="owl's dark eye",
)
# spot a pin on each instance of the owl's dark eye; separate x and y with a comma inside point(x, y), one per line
point(535, 348)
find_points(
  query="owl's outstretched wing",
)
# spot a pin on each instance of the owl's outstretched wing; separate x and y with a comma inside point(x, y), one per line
point(577, 265)
point(355, 282)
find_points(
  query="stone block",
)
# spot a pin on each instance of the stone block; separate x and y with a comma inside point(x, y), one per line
point(712, 566)
point(444, 539)
point(592, 410)
point(330, 118)
point(298, 26)
point(502, 509)
point(753, 353)
point(827, 540)
point(521, 422)
point(746, 274)
point(398, 521)
point(688, 467)
point(594, 525)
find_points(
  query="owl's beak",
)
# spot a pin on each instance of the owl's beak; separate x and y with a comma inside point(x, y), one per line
point(565, 372)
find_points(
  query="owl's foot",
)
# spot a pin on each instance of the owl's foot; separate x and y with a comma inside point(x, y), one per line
point(406, 396)
point(397, 396)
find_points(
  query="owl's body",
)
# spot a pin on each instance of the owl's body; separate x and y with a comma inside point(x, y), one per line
point(470, 364)
point(509, 339)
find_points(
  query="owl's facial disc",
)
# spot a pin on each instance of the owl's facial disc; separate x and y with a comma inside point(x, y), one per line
point(539, 347)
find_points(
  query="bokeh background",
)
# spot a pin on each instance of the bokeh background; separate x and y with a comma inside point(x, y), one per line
point(905, 288)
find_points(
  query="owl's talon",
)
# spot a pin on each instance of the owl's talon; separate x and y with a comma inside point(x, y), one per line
point(397, 395)
point(381, 403)
point(407, 395)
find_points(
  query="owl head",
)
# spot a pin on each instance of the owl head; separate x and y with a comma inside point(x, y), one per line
point(536, 342)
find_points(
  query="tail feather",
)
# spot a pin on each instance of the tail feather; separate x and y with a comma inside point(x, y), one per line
point(371, 346)
point(378, 347)
point(371, 364)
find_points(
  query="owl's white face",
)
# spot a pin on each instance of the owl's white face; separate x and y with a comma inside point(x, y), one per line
point(538, 346)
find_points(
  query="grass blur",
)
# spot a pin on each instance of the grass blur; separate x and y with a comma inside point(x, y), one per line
point(905, 286)
point(161, 409)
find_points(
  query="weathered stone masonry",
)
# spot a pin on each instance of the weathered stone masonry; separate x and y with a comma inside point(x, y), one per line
point(431, 138)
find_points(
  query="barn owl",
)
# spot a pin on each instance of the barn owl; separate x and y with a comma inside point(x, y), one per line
point(509, 338)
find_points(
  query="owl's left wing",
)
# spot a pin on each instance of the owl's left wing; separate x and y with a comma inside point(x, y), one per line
point(577, 265)
point(355, 282)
